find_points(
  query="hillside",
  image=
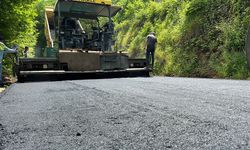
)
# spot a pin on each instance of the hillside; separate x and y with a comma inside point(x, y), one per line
point(203, 38)
point(198, 38)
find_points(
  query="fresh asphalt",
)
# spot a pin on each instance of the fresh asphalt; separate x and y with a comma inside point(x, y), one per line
point(126, 113)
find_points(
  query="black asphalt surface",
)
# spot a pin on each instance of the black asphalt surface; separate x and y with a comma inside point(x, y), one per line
point(126, 113)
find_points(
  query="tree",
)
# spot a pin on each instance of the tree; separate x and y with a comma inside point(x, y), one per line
point(17, 22)
point(18, 25)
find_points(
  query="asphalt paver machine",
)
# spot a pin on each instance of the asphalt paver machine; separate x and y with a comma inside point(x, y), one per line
point(80, 40)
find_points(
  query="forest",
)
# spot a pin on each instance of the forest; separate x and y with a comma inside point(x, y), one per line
point(196, 38)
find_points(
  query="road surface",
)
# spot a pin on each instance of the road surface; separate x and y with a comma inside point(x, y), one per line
point(126, 113)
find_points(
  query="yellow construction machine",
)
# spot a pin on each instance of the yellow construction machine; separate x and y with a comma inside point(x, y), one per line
point(80, 40)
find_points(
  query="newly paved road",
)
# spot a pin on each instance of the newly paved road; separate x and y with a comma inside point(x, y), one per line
point(133, 113)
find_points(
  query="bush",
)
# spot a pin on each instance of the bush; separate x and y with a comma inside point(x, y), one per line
point(203, 38)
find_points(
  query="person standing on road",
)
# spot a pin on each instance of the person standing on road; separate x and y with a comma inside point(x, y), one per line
point(150, 49)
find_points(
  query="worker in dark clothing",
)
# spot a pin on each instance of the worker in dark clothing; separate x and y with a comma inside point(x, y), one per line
point(150, 48)
point(69, 23)
point(26, 51)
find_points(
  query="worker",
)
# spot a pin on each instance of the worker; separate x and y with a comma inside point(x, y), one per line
point(107, 34)
point(26, 51)
point(109, 26)
point(68, 23)
point(150, 48)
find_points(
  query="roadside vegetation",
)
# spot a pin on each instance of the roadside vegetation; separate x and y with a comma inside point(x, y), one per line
point(203, 38)
point(198, 38)
point(17, 25)
point(21, 23)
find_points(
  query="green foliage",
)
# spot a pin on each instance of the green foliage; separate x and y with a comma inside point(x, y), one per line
point(195, 37)
point(18, 26)
point(17, 22)
point(22, 24)
point(233, 65)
